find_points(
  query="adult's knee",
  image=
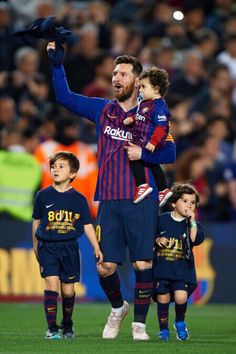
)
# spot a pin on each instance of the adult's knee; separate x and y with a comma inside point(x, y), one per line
point(105, 269)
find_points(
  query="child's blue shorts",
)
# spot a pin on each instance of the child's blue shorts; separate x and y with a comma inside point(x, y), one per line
point(60, 259)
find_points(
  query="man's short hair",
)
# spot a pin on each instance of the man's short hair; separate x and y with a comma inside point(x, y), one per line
point(129, 59)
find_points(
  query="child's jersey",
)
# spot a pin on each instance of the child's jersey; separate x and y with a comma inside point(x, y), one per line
point(115, 178)
point(153, 116)
point(170, 262)
point(62, 215)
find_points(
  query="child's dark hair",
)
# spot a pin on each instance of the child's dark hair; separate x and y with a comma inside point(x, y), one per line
point(68, 156)
point(159, 78)
point(178, 189)
point(129, 59)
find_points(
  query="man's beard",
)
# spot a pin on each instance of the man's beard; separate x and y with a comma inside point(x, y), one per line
point(125, 94)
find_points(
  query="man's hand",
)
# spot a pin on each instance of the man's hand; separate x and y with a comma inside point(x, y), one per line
point(134, 152)
point(55, 53)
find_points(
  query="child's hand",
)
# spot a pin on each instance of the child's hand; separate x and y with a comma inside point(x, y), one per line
point(162, 241)
point(150, 147)
point(128, 121)
point(35, 249)
point(98, 255)
point(190, 214)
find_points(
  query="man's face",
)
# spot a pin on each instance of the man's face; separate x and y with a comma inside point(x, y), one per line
point(123, 82)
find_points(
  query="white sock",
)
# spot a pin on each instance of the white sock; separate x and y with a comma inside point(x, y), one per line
point(118, 309)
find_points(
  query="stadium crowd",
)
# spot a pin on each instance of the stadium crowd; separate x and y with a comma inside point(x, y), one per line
point(198, 51)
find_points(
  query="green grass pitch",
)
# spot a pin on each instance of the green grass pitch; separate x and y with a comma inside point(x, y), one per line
point(22, 327)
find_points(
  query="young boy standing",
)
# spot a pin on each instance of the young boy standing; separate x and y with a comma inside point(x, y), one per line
point(60, 216)
point(174, 269)
point(154, 84)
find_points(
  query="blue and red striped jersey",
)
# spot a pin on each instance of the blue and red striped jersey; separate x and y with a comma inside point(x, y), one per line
point(115, 178)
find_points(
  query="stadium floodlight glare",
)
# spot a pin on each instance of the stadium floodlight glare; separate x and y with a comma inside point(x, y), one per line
point(178, 15)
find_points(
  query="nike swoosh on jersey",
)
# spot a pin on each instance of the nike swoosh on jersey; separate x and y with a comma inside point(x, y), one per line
point(113, 117)
point(49, 205)
point(70, 278)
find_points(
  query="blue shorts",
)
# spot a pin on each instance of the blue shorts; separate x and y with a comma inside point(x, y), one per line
point(170, 286)
point(121, 224)
point(60, 259)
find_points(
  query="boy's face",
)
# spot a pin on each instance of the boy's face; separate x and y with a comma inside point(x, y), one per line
point(184, 204)
point(147, 89)
point(60, 171)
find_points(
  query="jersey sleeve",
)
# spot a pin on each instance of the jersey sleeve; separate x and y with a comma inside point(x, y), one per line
point(37, 208)
point(88, 107)
point(166, 154)
point(158, 136)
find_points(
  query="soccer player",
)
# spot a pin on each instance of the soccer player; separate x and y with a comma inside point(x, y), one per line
point(120, 222)
point(174, 269)
point(60, 216)
point(154, 83)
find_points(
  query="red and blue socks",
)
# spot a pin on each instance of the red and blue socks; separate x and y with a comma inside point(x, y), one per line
point(163, 315)
point(142, 294)
point(67, 308)
point(111, 287)
point(50, 307)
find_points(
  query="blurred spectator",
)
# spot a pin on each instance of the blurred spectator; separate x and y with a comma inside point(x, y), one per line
point(27, 10)
point(101, 84)
point(190, 80)
point(220, 12)
point(80, 65)
point(154, 20)
point(176, 33)
point(24, 78)
point(218, 206)
point(194, 17)
point(119, 38)
point(99, 87)
point(67, 139)
point(129, 11)
point(228, 57)
point(8, 44)
point(215, 98)
point(99, 12)
point(7, 111)
point(220, 128)
point(206, 42)
point(19, 180)
point(191, 166)
point(230, 178)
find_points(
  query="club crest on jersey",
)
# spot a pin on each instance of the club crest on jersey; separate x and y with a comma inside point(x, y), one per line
point(117, 133)
point(145, 110)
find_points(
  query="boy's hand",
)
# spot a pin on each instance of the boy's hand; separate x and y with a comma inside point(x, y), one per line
point(128, 121)
point(162, 241)
point(35, 249)
point(55, 53)
point(99, 256)
point(150, 147)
